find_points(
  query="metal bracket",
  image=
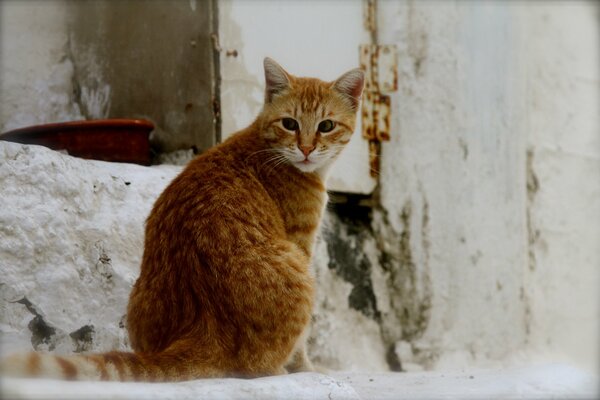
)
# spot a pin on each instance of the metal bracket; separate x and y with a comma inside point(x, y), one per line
point(381, 77)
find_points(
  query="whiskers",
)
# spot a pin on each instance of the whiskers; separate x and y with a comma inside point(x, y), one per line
point(275, 158)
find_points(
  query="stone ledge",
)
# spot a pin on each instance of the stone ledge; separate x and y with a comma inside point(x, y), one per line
point(556, 381)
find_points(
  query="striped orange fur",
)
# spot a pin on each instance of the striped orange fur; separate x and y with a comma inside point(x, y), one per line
point(225, 287)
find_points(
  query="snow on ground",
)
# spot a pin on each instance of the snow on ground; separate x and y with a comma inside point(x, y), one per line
point(539, 382)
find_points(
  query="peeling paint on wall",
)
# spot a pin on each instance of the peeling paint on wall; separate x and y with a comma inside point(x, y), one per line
point(386, 284)
point(411, 302)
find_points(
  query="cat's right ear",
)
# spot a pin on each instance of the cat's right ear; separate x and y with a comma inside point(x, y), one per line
point(351, 85)
point(277, 80)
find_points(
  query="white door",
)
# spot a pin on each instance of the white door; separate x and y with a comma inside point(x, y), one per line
point(308, 38)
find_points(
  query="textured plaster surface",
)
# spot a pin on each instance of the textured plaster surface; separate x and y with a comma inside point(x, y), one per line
point(71, 240)
point(564, 145)
point(492, 179)
point(64, 61)
point(453, 183)
point(35, 73)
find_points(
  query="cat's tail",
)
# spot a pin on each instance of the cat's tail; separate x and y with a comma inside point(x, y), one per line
point(112, 366)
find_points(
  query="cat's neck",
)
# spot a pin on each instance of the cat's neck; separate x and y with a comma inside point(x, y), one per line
point(300, 196)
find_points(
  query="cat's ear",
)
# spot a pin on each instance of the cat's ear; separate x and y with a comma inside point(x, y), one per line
point(351, 85)
point(276, 79)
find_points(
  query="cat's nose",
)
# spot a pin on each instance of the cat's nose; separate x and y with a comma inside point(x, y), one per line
point(306, 149)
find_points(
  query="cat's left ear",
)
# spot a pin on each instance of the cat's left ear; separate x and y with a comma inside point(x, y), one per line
point(277, 80)
point(351, 85)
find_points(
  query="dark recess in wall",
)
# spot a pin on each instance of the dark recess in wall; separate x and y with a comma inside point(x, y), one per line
point(346, 252)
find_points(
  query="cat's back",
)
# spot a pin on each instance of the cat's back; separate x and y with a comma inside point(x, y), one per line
point(217, 197)
point(221, 170)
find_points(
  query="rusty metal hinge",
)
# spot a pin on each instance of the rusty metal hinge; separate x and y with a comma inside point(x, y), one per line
point(381, 77)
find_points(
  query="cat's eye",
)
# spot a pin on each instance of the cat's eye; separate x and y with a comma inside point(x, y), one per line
point(290, 124)
point(326, 126)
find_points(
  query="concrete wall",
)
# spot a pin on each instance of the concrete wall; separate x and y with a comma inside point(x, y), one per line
point(563, 126)
point(66, 60)
point(36, 77)
point(494, 171)
point(453, 189)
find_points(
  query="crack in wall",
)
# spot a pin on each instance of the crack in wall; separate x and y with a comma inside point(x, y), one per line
point(533, 186)
point(533, 236)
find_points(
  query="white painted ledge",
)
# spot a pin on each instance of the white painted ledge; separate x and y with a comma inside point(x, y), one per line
point(554, 381)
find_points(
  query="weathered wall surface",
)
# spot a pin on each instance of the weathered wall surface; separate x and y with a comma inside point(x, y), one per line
point(493, 176)
point(455, 235)
point(453, 182)
point(71, 242)
point(64, 61)
point(152, 60)
point(563, 105)
point(36, 77)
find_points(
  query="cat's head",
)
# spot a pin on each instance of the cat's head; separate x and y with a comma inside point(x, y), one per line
point(306, 121)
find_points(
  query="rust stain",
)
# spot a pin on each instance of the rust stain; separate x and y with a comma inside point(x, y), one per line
point(387, 63)
point(370, 18)
point(368, 128)
point(379, 62)
point(366, 63)
point(383, 118)
point(376, 125)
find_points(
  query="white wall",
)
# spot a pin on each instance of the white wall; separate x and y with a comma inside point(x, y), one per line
point(563, 125)
point(480, 84)
point(318, 39)
point(35, 73)
point(455, 169)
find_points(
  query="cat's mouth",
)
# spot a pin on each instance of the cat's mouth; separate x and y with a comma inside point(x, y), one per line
point(306, 165)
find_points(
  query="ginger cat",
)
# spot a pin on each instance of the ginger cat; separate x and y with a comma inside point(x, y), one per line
point(225, 288)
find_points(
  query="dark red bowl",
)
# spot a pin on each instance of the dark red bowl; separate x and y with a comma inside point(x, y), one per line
point(119, 140)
